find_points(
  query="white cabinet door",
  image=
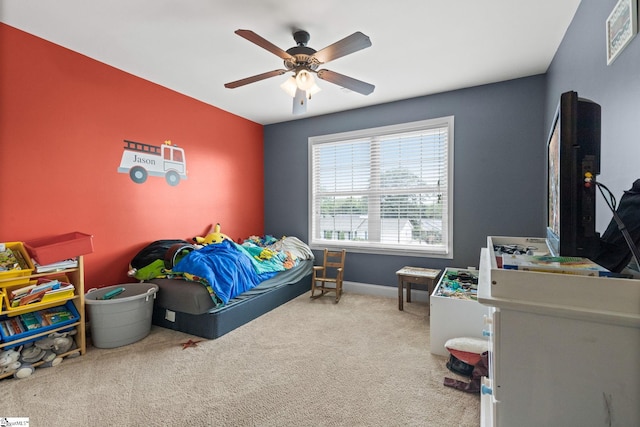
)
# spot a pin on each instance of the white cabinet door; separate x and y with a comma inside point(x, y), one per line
point(565, 372)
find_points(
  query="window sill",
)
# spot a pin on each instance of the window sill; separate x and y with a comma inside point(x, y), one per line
point(379, 250)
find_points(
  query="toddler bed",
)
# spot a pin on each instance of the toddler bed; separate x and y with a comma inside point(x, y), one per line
point(229, 285)
point(187, 306)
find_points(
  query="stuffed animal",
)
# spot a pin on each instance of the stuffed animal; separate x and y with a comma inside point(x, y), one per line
point(56, 343)
point(265, 255)
point(211, 238)
point(10, 361)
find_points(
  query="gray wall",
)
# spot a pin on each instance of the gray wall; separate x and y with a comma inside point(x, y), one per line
point(499, 169)
point(581, 65)
point(500, 146)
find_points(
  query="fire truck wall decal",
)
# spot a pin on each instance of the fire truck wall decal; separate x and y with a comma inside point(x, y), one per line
point(143, 160)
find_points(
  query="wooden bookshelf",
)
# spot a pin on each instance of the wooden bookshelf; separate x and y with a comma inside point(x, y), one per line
point(76, 277)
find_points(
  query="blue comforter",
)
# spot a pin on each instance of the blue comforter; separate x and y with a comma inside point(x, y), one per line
point(226, 267)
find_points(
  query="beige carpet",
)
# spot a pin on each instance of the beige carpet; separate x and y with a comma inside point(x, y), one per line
point(307, 363)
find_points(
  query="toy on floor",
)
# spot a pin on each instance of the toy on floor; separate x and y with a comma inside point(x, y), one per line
point(190, 343)
point(470, 358)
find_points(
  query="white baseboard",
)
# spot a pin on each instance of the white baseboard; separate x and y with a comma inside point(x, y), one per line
point(383, 291)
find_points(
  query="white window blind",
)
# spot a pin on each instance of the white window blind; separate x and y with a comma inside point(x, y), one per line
point(383, 190)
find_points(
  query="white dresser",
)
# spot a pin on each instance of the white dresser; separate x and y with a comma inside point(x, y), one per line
point(564, 349)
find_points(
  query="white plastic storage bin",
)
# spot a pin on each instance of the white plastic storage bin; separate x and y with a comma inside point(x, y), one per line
point(454, 317)
point(123, 319)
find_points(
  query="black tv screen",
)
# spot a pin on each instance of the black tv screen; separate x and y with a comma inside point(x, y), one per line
point(573, 158)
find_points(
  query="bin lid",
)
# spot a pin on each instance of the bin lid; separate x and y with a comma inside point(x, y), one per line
point(132, 291)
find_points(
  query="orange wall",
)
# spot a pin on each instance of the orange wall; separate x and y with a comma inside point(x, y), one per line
point(63, 119)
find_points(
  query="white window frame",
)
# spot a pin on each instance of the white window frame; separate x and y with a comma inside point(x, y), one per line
point(441, 251)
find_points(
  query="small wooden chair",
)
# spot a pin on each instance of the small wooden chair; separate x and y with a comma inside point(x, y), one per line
point(330, 272)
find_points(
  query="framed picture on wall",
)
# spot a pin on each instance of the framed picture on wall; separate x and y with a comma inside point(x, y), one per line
point(622, 26)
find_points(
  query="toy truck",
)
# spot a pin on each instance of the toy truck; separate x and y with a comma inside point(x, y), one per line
point(142, 160)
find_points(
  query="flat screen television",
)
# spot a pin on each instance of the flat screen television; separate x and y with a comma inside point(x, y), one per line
point(573, 157)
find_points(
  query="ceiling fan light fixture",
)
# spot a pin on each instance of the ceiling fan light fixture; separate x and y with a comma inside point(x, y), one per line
point(313, 90)
point(305, 80)
point(290, 86)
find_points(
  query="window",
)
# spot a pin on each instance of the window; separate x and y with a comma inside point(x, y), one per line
point(384, 190)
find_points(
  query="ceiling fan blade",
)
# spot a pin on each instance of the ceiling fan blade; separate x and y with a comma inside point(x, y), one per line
point(263, 43)
point(353, 43)
point(300, 102)
point(253, 79)
point(346, 82)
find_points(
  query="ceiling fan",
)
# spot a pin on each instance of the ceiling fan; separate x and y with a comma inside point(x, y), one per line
point(303, 62)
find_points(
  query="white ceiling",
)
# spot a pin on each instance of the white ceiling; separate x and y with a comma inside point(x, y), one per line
point(419, 47)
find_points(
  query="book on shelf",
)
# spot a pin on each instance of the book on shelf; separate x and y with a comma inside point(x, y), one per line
point(31, 298)
point(13, 326)
point(17, 293)
point(40, 319)
point(12, 260)
point(35, 288)
point(554, 264)
point(5, 329)
point(35, 293)
point(56, 315)
point(30, 321)
point(18, 326)
point(55, 266)
point(63, 288)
